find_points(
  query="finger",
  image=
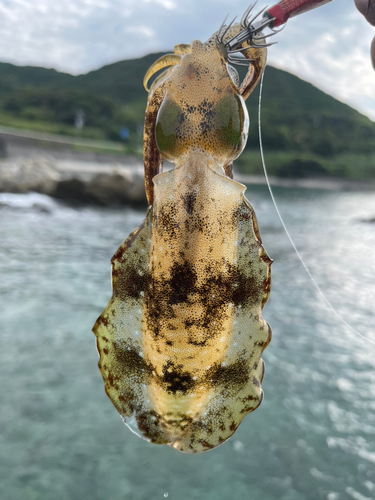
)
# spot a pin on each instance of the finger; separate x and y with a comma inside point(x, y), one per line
point(367, 8)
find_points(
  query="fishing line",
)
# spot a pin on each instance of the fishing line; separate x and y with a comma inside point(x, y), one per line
point(287, 232)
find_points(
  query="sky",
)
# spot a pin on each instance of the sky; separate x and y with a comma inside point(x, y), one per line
point(328, 47)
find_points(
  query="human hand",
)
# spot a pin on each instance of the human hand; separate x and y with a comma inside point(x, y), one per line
point(367, 8)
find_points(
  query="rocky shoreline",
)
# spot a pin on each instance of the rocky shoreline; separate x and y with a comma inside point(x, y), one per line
point(74, 183)
point(108, 185)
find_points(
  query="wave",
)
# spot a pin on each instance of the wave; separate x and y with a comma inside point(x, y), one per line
point(28, 201)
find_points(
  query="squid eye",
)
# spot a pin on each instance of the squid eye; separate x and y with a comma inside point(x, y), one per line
point(168, 120)
point(231, 121)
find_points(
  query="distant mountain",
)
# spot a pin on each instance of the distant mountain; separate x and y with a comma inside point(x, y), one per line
point(121, 80)
point(13, 78)
point(301, 125)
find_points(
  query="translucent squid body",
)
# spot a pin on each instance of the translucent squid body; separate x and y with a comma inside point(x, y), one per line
point(181, 339)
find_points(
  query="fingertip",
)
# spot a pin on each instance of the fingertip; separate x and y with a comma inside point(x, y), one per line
point(367, 9)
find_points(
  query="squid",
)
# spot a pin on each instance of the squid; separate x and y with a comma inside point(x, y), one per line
point(180, 341)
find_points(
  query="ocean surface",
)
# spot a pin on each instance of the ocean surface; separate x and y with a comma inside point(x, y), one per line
point(313, 436)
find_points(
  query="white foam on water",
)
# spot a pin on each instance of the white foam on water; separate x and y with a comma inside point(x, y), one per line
point(28, 201)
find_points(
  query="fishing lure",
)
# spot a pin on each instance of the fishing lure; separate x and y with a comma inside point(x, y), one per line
point(181, 339)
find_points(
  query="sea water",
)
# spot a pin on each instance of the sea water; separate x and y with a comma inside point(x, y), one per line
point(313, 436)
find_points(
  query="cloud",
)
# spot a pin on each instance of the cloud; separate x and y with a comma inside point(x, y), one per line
point(167, 4)
point(328, 46)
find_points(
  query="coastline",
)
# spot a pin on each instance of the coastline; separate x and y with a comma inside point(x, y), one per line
point(120, 182)
point(84, 169)
point(77, 168)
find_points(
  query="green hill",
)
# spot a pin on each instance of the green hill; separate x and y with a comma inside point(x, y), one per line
point(305, 131)
point(13, 78)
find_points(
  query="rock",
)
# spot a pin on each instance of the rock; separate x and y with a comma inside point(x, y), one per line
point(137, 193)
point(73, 191)
point(25, 175)
point(118, 187)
